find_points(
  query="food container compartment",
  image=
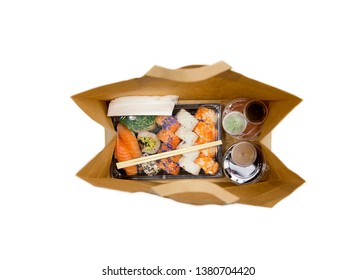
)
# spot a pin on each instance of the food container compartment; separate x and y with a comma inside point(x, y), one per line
point(191, 108)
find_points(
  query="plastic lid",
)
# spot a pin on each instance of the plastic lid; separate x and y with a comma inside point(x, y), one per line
point(234, 123)
point(244, 154)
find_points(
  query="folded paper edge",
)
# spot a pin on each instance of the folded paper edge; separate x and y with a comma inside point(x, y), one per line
point(190, 74)
point(196, 186)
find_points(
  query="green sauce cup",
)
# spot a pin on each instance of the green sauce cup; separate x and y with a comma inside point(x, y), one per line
point(234, 123)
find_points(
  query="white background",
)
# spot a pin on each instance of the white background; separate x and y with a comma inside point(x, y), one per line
point(56, 226)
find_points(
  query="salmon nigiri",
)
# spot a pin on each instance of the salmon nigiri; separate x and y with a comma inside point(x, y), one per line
point(126, 149)
point(122, 153)
point(128, 138)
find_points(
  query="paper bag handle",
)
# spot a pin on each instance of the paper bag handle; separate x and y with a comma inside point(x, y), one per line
point(195, 186)
point(195, 74)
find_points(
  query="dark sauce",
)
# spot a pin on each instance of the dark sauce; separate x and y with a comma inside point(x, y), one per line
point(255, 112)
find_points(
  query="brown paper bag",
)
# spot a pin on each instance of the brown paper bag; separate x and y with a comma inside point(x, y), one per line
point(194, 84)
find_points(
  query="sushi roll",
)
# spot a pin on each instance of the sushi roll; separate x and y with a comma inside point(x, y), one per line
point(149, 142)
point(187, 135)
point(169, 165)
point(209, 152)
point(167, 122)
point(186, 119)
point(150, 168)
point(209, 165)
point(191, 155)
point(169, 138)
point(139, 123)
point(189, 166)
point(164, 148)
point(206, 132)
point(206, 115)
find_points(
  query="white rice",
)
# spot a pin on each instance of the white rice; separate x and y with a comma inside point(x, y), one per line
point(191, 155)
point(189, 165)
point(186, 135)
point(186, 119)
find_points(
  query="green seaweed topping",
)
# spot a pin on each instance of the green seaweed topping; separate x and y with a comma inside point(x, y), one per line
point(139, 123)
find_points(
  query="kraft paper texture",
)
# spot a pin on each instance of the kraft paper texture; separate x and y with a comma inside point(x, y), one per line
point(215, 83)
